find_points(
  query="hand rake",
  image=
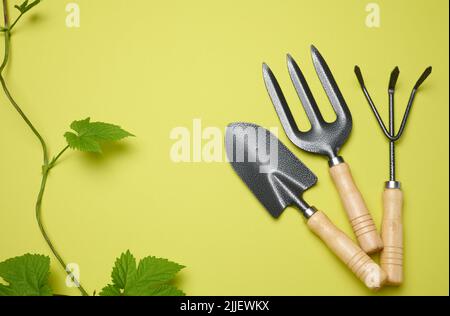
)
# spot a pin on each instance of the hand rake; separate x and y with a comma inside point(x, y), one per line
point(391, 259)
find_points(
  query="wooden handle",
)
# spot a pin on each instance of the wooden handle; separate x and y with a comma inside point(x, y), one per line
point(343, 247)
point(391, 258)
point(358, 215)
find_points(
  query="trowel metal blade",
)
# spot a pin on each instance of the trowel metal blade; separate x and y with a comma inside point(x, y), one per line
point(270, 170)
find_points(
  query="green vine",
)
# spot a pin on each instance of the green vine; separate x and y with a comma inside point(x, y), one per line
point(28, 274)
point(47, 166)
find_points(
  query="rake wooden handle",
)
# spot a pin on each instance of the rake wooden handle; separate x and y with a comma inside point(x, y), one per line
point(343, 247)
point(358, 215)
point(391, 258)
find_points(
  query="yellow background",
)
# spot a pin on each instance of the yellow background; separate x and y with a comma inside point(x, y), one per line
point(151, 66)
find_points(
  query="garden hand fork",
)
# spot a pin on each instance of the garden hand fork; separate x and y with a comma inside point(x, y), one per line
point(325, 138)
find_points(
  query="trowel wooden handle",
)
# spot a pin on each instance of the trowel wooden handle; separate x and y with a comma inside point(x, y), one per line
point(343, 247)
point(358, 215)
point(391, 258)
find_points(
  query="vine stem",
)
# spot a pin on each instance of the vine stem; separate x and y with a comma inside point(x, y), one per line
point(47, 166)
point(15, 21)
point(52, 163)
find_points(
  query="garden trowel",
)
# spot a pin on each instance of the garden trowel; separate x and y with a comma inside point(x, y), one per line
point(278, 179)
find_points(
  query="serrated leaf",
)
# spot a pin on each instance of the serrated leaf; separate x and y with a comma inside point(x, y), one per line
point(110, 290)
point(24, 7)
point(149, 279)
point(26, 275)
point(164, 290)
point(82, 143)
point(124, 270)
point(89, 135)
point(5, 290)
point(154, 271)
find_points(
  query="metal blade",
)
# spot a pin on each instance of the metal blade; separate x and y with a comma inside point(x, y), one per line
point(330, 86)
point(270, 170)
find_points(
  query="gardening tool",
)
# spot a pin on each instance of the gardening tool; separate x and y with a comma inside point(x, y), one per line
point(278, 179)
point(326, 138)
point(391, 259)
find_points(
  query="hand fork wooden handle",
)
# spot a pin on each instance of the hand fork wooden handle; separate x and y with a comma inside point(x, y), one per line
point(343, 247)
point(360, 219)
point(325, 138)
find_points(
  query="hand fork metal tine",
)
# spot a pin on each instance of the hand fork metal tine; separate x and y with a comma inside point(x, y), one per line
point(326, 138)
point(323, 138)
point(330, 86)
point(304, 93)
point(281, 106)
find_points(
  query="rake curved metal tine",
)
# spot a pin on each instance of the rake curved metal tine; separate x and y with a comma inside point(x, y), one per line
point(423, 76)
point(391, 90)
point(304, 93)
point(419, 82)
point(281, 106)
point(393, 79)
point(370, 101)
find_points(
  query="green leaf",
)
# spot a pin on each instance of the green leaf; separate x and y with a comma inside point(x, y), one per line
point(150, 278)
point(24, 7)
point(154, 271)
point(89, 135)
point(165, 290)
point(82, 143)
point(110, 290)
point(26, 275)
point(5, 291)
point(124, 270)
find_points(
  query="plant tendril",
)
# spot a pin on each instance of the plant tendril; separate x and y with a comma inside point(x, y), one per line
point(47, 166)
